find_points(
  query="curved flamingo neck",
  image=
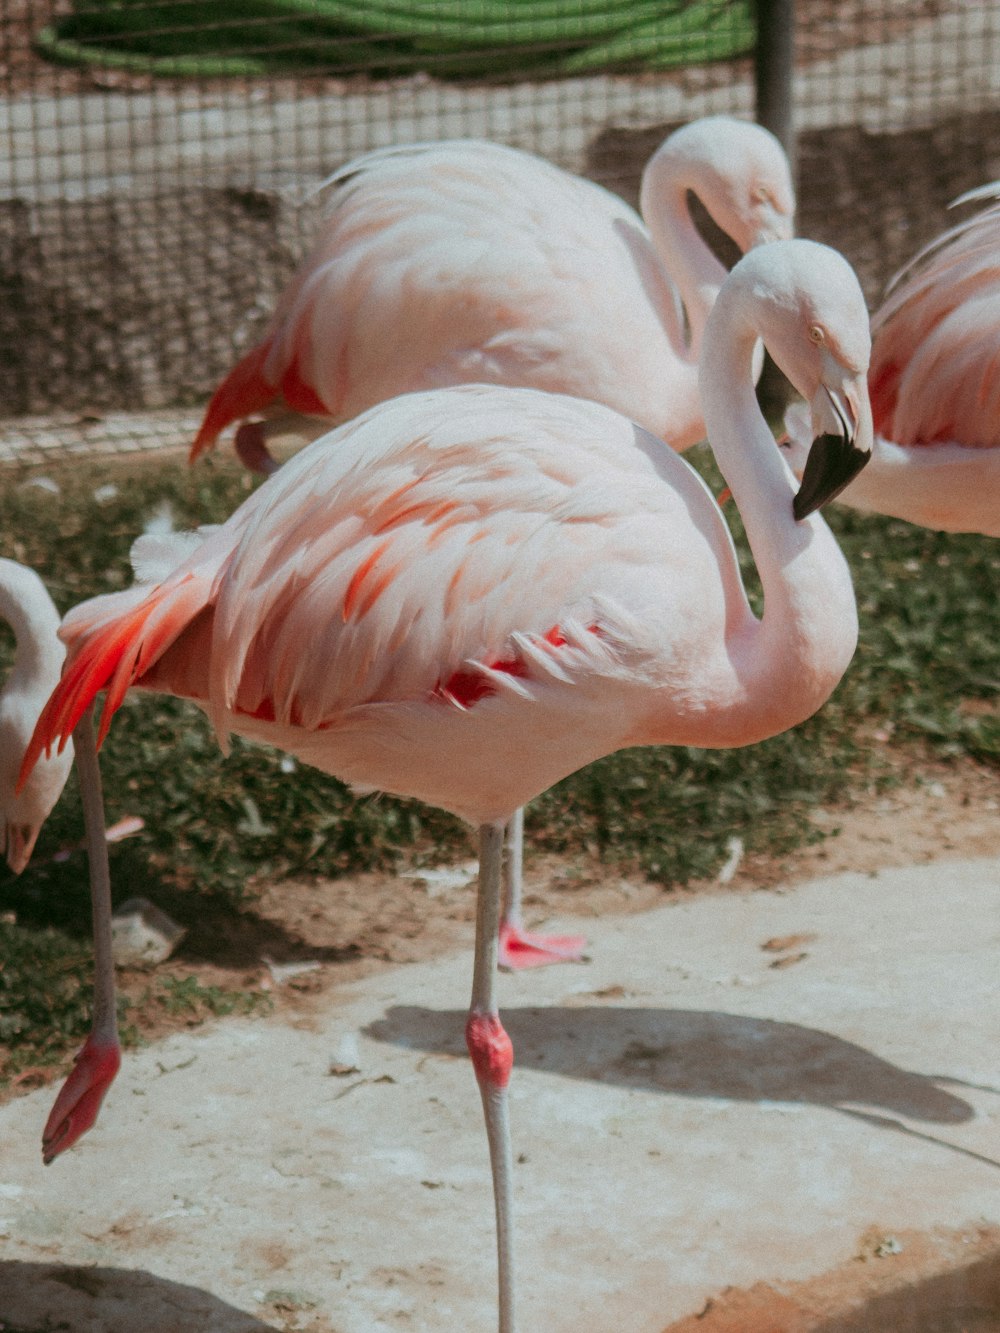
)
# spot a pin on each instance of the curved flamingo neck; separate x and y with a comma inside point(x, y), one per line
point(695, 270)
point(28, 610)
point(786, 663)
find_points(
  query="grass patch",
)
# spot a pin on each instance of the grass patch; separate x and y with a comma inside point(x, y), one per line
point(927, 674)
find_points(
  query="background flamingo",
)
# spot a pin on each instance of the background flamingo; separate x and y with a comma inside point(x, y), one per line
point(29, 610)
point(935, 384)
point(480, 589)
point(468, 261)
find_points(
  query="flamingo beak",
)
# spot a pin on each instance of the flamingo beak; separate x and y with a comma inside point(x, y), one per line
point(842, 447)
point(20, 843)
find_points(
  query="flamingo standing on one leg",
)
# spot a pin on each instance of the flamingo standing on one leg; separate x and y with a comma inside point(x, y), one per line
point(27, 607)
point(466, 261)
point(466, 594)
point(935, 384)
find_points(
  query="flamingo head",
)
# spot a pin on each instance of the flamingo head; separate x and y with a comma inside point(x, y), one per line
point(812, 317)
point(740, 173)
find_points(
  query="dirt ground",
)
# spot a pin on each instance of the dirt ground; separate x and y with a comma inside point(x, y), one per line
point(948, 1283)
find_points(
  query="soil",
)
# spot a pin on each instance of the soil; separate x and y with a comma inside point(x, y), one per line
point(908, 1282)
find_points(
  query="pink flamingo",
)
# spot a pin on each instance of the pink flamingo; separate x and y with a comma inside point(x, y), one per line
point(935, 384)
point(470, 262)
point(27, 607)
point(466, 261)
point(480, 589)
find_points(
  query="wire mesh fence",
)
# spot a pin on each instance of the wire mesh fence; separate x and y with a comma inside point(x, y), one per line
point(158, 181)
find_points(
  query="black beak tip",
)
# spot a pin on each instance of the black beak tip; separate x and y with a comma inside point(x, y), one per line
point(832, 465)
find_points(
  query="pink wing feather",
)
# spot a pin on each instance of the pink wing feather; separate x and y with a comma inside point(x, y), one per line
point(385, 569)
point(935, 368)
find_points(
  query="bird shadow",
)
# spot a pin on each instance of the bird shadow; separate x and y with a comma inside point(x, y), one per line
point(704, 1054)
point(53, 1298)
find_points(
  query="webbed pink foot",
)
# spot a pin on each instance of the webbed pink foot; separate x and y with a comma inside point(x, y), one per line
point(520, 949)
point(79, 1101)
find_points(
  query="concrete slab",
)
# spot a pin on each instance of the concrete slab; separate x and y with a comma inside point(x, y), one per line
point(691, 1111)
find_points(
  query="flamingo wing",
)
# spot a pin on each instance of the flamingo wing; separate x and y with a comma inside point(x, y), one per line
point(406, 565)
point(935, 369)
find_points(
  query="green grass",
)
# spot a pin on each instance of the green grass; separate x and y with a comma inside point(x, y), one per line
point(927, 672)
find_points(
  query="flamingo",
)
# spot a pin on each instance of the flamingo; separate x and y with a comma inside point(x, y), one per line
point(465, 594)
point(934, 384)
point(27, 607)
point(447, 263)
point(465, 261)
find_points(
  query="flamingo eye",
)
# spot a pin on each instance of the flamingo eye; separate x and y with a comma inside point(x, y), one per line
point(761, 195)
point(817, 334)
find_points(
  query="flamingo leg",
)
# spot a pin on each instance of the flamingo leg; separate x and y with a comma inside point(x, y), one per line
point(520, 948)
point(79, 1101)
point(493, 1058)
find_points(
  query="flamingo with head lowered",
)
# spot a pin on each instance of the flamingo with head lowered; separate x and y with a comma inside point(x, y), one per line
point(466, 594)
point(29, 610)
point(935, 384)
point(466, 261)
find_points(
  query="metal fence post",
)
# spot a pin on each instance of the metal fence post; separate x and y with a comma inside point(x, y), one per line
point(774, 64)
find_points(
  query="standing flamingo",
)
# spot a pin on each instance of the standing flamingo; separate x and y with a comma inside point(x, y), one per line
point(27, 607)
point(935, 384)
point(465, 261)
point(481, 589)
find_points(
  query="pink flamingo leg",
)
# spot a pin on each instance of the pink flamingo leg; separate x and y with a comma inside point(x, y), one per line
point(520, 948)
point(493, 1058)
point(80, 1097)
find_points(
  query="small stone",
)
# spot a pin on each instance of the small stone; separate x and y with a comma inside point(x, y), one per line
point(142, 935)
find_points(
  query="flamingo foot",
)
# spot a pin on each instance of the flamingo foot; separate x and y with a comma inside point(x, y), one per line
point(79, 1101)
point(520, 949)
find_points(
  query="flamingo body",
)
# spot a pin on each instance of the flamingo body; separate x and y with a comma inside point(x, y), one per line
point(935, 384)
point(503, 581)
point(28, 609)
point(467, 261)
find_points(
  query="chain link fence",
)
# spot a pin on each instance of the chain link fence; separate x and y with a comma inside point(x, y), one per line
point(157, 185)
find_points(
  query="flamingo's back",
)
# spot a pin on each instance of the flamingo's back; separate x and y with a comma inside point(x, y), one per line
point(935, 369)
point(411, 284)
